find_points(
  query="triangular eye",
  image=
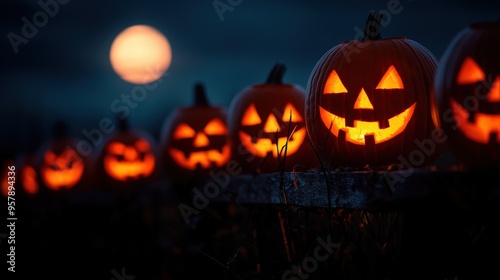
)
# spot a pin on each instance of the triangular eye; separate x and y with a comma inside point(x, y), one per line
point(142, 145)
point(470, 72)
point(116, 148)
point(494, 95)
point(390, 80)
point(251, 117)
point(215, 127)
point(184, 131)
point(334, 84)
point(290, 109)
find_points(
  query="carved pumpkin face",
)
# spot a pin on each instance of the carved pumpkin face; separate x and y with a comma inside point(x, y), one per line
point(262, 130)
point(481, 125)
point(127, 157)
point(468, 94)
point(206, 145)
point(368, 101)
point(123, 161)
point(367, 117)
point(195, 139)
point(267, 121)
point(61, 168)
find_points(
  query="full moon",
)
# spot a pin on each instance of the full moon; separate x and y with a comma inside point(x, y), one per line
point(140, 54)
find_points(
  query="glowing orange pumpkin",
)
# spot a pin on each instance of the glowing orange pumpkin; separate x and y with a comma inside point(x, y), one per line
point(60, 166)
point(368, 101)
point(128, 156)
point(9, 178)
point(266, 126)
point(195, 139)
point(28, 174)
point(467, 89)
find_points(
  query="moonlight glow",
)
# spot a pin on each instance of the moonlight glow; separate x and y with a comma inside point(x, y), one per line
point(140, 54)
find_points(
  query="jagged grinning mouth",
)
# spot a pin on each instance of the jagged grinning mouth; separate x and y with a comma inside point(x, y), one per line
point(483, 128)
point(203, 158)
point(361, 129)
point(263, 146)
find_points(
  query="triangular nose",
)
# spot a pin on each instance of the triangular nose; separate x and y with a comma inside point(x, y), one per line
point(130, 153)
point(271, 125)
point(201, 140)
point(363, 102)
point(494, 94)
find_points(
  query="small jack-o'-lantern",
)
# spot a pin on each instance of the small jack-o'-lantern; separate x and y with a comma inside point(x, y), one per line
point(128, 156)
point(60, 166)
point(29, 179)
point(195, 139)
point(266, 126)
point(467, 89)
point(369, 100)
point(8, 178)
point(28, 174)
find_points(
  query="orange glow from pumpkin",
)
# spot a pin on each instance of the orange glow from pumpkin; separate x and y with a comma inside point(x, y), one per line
point(390, 80)
point(29, 180)
point(264, 145)
point(215, 127)
point(494, 94)
point(470, 72)
point(201, 140)
point(140, 54)
point(363, 102)
point(356, 134)
point(204, 159)
point(184, 131)
point(483, 126)
point(271, 124)
point(61, 171)
point(334, 84)
point(290, 111)
point(123, 162)
point(251, 117)
point(4, 184)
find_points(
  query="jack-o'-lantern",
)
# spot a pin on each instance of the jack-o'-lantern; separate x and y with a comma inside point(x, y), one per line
point(8, 178)
point(60, 166)
point(267, 128)
point(467, 89)
point(368, 101)
point(195, 139)
point(128, 156)
point(28, 183)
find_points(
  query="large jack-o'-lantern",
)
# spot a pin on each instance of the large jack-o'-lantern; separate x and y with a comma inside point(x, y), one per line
point(267, 128)
point(195, 139)
point(369, 100)
point(467, 89)
point(127, 157)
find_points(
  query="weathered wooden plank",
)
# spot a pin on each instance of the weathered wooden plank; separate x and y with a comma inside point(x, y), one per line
point(357, 189)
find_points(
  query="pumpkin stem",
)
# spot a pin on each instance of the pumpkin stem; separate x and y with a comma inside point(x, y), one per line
point(122, 124)
point(60, 129)
point(276, 74)
point(372, 26)
point(200, 96)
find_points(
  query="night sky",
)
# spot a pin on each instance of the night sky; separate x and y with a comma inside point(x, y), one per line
point(64, 72)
